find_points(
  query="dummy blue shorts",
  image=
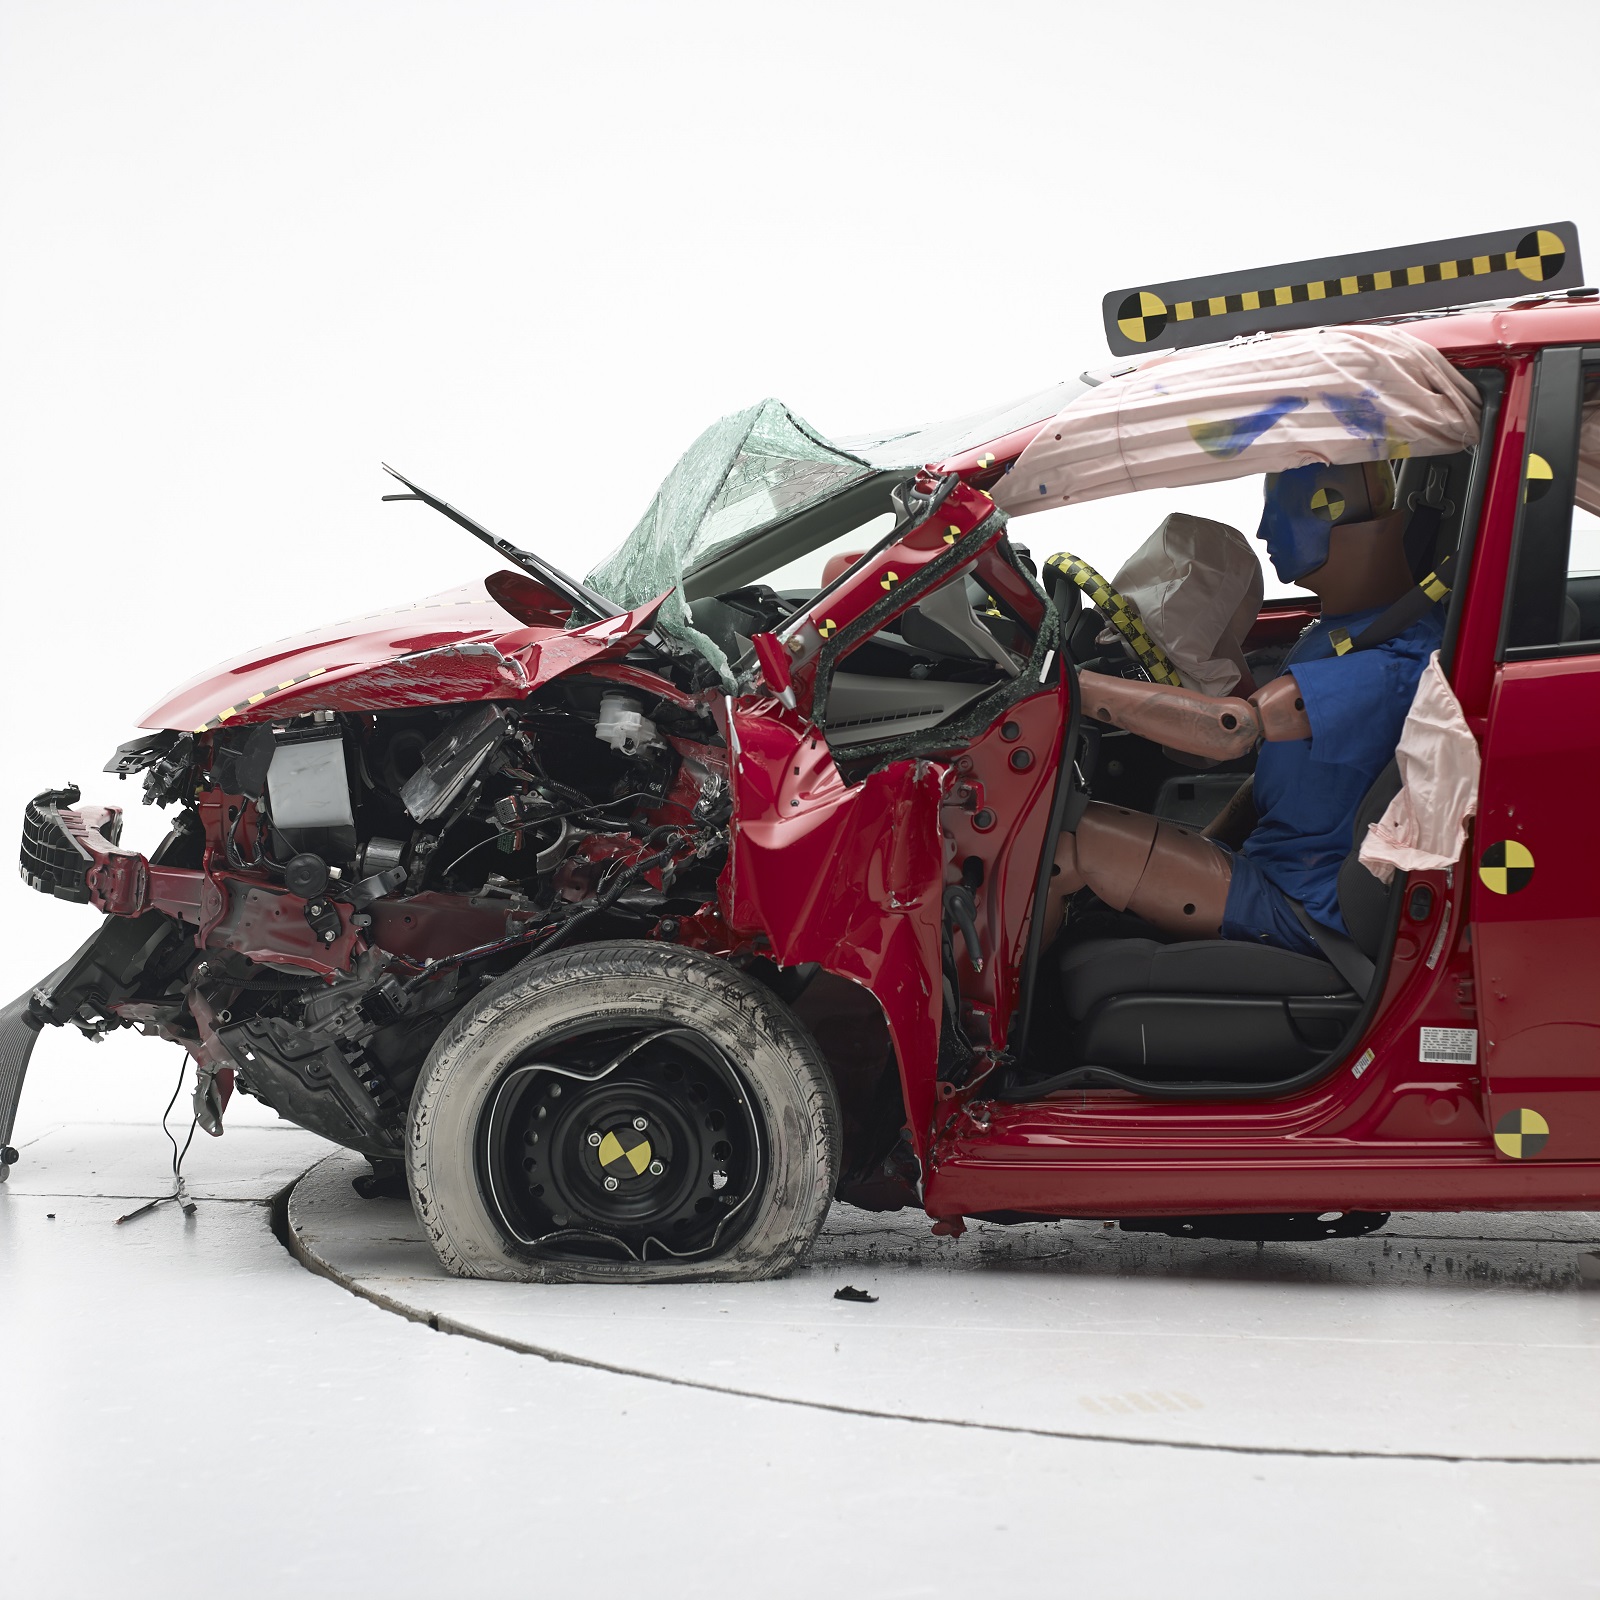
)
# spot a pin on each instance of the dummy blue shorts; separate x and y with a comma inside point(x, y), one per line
point(1258, 911)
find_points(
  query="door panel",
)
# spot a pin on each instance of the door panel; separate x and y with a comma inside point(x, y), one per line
point(1536, 894)
point(1536, 910)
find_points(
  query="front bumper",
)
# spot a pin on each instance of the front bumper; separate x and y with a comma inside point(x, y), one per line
point(73, 852)
point(53, 862)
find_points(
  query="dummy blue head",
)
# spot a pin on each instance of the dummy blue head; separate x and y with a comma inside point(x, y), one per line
point(1304, 506)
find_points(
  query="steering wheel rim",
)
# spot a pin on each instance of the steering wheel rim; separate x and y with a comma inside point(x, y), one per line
point(1120, 612)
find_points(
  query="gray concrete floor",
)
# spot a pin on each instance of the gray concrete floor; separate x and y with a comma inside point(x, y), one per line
point(188, 1407)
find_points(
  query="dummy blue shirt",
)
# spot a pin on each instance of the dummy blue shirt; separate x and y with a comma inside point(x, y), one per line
point(1307, 791)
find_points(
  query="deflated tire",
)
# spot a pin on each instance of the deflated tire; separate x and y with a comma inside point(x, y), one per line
point(624, 1112)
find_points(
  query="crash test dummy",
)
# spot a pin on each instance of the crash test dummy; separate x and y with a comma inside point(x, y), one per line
point(1327, 726)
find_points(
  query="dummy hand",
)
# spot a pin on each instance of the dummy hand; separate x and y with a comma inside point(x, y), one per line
point(1216, 728)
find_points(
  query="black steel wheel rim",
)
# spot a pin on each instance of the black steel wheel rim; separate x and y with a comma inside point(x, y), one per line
point(621, 1142)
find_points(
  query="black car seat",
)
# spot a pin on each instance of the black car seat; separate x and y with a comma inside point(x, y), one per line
point(1222, 1010)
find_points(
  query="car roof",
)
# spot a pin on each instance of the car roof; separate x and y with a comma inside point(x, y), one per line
point(1464, 332)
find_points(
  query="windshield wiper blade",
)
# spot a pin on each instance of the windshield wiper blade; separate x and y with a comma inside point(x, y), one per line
point(535, 566)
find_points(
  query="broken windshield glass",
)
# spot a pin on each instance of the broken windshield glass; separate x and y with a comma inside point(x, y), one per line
point(763, 466)
point(745, 471)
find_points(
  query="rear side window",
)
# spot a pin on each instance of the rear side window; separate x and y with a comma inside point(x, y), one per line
point(1553, 600)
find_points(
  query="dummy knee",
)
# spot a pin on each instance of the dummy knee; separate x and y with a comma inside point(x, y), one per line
point(1113, 850)
point(1165, 874)
point(1184, 886)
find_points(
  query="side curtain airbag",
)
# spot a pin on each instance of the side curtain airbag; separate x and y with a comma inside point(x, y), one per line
point(1268, 404)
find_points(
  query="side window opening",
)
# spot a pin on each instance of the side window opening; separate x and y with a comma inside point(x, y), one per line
point(1583, 552)
point(925, 666)
point(1553, 598)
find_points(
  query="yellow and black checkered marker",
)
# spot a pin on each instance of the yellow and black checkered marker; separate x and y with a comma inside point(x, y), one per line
point(1121, 613)
point(827, 627)
point(1521, 1133)
point(888, 581)
point(213, 723)
point(1540, 475)
point(1372, 283)
point(619, 1161)
point(1506, 866)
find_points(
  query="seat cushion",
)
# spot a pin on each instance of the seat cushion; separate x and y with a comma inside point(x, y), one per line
point(1099, 968)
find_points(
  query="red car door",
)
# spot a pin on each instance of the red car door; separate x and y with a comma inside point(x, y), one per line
point(1536, 894)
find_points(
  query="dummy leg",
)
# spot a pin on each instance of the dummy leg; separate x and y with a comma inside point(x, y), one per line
point(1163, 873)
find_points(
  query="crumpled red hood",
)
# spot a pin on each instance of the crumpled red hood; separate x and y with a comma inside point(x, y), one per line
point(455, 646)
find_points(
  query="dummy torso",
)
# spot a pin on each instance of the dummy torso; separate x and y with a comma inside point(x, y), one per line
point(1330, 723)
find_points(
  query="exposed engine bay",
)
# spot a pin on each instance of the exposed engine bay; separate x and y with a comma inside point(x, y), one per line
point(363, 848)
point(336, 886)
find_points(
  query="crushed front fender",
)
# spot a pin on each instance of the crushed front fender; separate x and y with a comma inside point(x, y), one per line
point(848, 876)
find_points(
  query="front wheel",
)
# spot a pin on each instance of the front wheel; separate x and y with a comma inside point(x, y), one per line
point(624, 1112)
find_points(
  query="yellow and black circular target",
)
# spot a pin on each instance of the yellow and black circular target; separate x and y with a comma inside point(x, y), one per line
point(1142, 316)
point(1540, 476)
point(1506, 866)
point(1539, 255)
point(1521, 1133)
point(620, 1159)
point(1327, 504)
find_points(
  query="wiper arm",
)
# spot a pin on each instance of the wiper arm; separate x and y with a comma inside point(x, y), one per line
point(535, 566)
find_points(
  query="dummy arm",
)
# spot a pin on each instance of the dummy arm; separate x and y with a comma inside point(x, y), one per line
point(1214, 728)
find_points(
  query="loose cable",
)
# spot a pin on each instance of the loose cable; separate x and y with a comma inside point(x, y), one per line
point(180, 1190)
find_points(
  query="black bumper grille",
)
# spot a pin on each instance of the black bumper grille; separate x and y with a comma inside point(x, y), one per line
point(52, 860)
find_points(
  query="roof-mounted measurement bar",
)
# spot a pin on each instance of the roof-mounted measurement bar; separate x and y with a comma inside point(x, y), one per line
point(1349, 288)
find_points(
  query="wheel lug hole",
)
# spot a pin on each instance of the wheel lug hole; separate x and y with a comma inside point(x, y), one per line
point(640, 1124)
point(656, 1169)
point(594, 1141)
point(611, 1183)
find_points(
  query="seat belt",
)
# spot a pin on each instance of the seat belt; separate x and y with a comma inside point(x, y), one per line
point(1346, 957)
point(1413, 605)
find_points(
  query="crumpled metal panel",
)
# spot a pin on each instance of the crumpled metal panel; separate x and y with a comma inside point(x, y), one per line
point(850, 876)
point(459, 646)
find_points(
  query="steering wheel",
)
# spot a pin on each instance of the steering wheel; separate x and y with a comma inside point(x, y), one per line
point(1120, 612)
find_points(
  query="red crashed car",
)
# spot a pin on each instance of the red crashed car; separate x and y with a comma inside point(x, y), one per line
point(631, 921)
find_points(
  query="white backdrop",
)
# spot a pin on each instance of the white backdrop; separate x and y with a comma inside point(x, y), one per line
point(525, 252)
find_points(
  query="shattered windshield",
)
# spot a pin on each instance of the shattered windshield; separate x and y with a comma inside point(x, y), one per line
point(747, 470)
point(764, 466)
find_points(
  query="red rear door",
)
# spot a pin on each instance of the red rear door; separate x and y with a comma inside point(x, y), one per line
point(1536, 894)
